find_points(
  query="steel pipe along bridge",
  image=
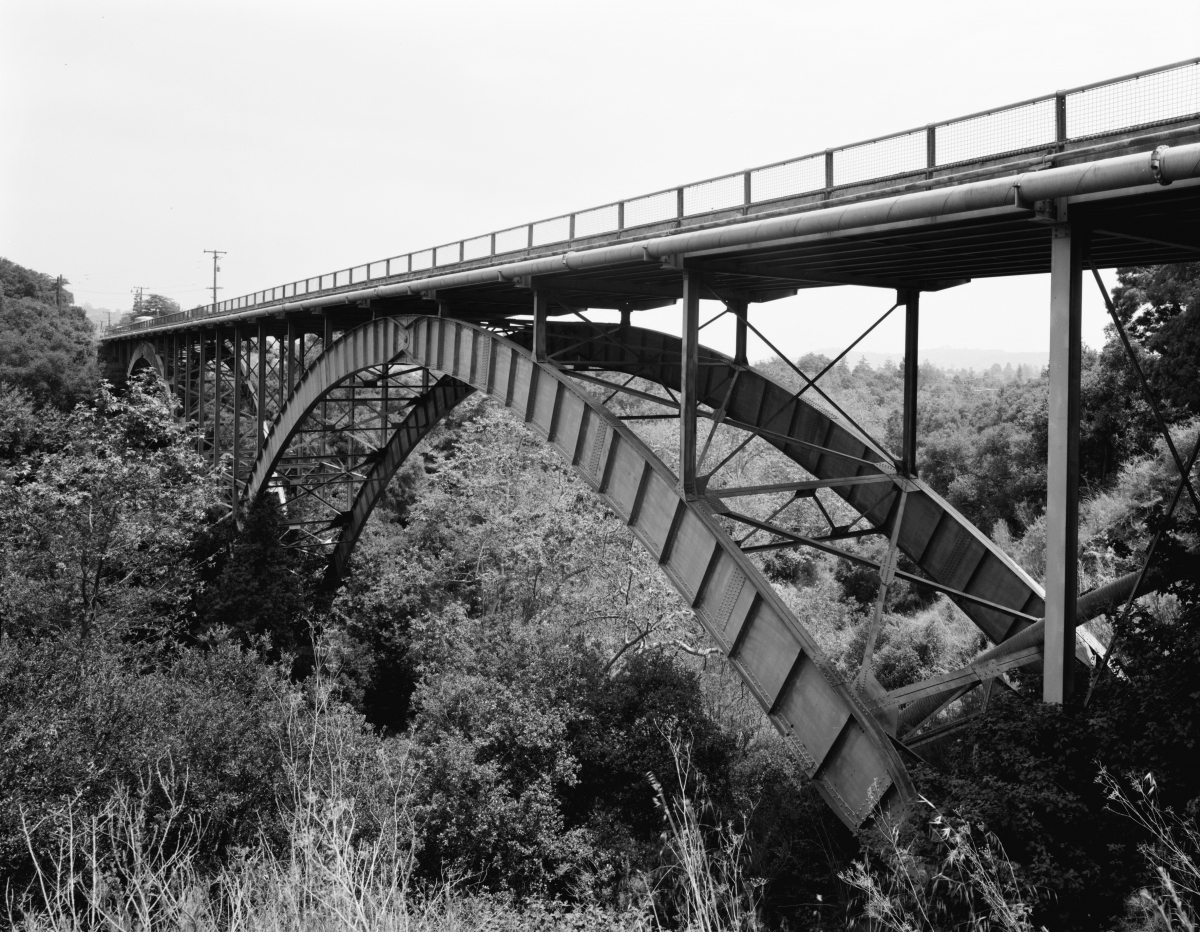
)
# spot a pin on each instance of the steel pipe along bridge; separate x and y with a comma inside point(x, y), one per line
point(318, 391)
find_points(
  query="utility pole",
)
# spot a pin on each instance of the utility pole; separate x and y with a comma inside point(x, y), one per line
point(216, 254)
point(58, 283)
point(137, 299)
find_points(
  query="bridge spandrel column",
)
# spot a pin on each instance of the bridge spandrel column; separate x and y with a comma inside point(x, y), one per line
point(1062, 465)
point(689, 384)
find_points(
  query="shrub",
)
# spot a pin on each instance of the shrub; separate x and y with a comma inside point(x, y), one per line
point(81, 720)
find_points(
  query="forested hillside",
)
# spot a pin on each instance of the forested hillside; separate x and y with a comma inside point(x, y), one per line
point(507, 719)
point(45, 340)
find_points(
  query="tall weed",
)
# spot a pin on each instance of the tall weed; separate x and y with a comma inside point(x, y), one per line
point(1172, 853)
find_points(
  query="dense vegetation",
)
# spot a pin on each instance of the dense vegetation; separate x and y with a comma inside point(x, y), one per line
point(45, 340)
point(487, 695)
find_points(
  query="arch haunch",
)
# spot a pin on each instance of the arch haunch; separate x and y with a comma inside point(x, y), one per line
point(144, 356)
point(376, 343)
point(836, 739)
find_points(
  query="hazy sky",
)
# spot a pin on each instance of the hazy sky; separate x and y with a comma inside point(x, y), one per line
point(304, 137)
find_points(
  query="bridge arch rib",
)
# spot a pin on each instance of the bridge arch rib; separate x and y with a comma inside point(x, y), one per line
point(836, 738)
point(145, 356)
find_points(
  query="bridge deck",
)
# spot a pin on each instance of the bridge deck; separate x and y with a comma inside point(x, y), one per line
point(1134, 225)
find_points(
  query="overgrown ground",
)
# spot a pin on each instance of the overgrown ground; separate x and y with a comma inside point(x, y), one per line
point(506, 719)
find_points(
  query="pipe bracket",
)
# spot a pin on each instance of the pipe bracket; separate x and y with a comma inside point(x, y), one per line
point(1156, 165)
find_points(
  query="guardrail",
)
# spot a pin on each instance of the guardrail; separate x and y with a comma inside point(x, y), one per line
point(1160, 95)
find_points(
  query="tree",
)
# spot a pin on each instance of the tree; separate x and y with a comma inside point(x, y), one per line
point(1160, 305)
point(157, 305)
point(259, 592)
point(95, 525)
point(46, 343)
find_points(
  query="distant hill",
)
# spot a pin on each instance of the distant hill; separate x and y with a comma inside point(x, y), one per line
point(949, 357)
point(101, 316)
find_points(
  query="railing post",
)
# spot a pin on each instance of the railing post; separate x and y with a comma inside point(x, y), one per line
point(620, 215)
point(1060, 119)
point(493, 239)
point(930, 150)
point(571, 229)
point(679, 203)
point(1062, 467)
point(688, 384)
point(747, 190)
point(910, 300)
point(828, 171)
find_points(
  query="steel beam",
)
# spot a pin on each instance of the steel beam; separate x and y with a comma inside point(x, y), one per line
point(688, 389)
point(202, 364)
point(291, 356)
point(541, 304)
point(910, 300)
point(187, 377)
point(217, 347)
point(261, 401)
point(741, 310)
point(239, 347)
point(1062, 472)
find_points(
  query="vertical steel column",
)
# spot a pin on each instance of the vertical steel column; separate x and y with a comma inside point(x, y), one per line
point(1062, 473)
point(326, 339)
point(281, 371)
point(187, 376)
point(741, 310)
point(200, 379)
point(908, 455)
point(174, 366)
point(383, 405)
point(261, 401)
point(688, 379)
point(540, 305)
point(218, 339)
point(291, 356)
point(239, 346)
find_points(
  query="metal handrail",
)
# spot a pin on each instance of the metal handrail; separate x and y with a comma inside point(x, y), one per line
point(1053, 138)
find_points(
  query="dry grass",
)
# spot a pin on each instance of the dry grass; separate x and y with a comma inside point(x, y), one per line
point(915, 894)
point(702, 881)
point(1172, 854)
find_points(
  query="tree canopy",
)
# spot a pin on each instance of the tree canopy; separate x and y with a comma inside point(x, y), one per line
point(46, 342)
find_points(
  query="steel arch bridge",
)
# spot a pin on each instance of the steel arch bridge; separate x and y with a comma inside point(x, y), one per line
point(320, 399)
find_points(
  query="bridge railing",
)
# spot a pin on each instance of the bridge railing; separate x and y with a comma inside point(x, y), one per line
point(1166, 94)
